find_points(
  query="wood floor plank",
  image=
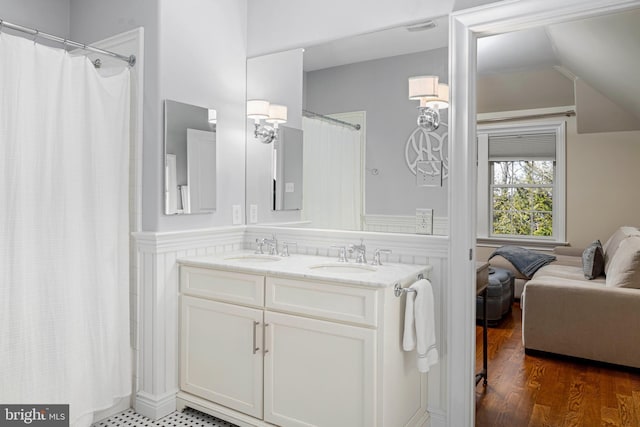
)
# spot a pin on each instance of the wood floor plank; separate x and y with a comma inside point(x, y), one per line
point(545, 390)
point(610, 417)
point(591, 407)
point(625, 410)
point(573, 419)
point(540, 416)
point(636, 406)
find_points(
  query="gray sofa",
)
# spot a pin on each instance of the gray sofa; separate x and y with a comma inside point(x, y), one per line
point(599, 319)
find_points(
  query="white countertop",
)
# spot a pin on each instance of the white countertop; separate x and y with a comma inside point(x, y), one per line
point(302, 267)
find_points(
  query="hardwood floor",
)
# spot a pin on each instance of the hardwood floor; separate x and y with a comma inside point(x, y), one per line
point(543, 390)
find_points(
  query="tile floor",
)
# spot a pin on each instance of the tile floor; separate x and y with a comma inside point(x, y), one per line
point(188, 418)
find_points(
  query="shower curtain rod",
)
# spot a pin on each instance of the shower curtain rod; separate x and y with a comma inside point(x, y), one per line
point(567, 113)
point(131, 60)
point(311, 114)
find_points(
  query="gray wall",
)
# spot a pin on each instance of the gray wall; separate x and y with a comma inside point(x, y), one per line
point(380, 87)
point(49, 16)
point(195, 53)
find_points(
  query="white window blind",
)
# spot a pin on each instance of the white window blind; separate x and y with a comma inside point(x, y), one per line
point(533, 146)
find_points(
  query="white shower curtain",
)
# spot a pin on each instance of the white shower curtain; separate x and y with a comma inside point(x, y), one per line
point(64, 225)
point(332, 175)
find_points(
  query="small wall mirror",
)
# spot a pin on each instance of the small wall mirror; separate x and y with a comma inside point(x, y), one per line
point(189, 159)
point(287, 169)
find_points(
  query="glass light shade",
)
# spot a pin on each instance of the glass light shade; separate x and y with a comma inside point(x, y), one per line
point(422, 87)
point(213, 116)
point(277, 114)
point(257, 109)
point(441, 101)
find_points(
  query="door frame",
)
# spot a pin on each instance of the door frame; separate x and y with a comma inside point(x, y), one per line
point(465, 27)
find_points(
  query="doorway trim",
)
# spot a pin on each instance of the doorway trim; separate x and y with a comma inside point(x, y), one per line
point(465, 27)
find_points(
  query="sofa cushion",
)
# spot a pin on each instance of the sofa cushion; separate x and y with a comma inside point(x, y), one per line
point(624, 267)
point(611, 245)
point(593, 260)
point(551, 272)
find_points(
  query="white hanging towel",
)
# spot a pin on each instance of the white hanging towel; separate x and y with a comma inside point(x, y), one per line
point(420, 325)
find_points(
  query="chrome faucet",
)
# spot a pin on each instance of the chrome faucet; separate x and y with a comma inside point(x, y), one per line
point(360, 252)
point(272, 243)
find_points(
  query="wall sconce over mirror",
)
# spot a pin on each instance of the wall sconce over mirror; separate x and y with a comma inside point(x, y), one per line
point(274, 114)
point(212, 116)
point(432, 95)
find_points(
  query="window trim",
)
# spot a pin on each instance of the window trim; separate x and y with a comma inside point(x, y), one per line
point(558, 127)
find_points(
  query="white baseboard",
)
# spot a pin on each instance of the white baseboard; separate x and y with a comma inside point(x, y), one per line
point(155, 407)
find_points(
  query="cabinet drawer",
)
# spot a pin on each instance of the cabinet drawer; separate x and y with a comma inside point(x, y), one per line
point(223, 285)
point(323, 300)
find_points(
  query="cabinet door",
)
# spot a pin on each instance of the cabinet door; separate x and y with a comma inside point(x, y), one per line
point(318, 373)
point(221, 354)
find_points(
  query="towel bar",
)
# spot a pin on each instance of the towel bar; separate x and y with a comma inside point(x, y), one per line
point(399, 290)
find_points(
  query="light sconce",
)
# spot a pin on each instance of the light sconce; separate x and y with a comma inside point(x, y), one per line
point(433, 96)
point(212, 116)
point(274, 114)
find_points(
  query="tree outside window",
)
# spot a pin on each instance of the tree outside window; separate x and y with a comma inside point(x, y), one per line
point(522, 197)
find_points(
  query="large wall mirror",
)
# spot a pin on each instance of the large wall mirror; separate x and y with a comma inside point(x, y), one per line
point(366, 165)
point(189, 158)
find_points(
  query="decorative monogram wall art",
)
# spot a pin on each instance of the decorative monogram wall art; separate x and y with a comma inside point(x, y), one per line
point(426, 153)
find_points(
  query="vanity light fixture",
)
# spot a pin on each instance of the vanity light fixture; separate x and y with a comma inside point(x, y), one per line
point(274, 114)
point(212, 116)
point(432, 96)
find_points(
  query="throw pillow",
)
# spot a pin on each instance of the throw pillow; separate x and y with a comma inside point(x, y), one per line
point(624, 271)
point(593, 260)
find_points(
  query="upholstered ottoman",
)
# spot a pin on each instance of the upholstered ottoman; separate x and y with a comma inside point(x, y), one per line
point(499, 295)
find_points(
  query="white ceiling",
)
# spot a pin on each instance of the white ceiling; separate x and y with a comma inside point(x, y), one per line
point(376, 45)
point(603, 51)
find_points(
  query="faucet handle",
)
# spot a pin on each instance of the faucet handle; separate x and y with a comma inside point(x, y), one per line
point(259, 246)
point(376, 256)
point(342, 254)
point(285, 248)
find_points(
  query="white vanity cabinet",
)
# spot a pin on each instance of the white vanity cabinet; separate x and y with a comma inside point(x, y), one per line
point(318, 373)
point(265, 350)
point(221, 360)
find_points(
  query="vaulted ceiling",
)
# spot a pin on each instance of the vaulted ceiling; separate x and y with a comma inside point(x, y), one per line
point(600, 55)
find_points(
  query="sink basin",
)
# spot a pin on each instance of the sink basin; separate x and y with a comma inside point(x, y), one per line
point(343, 268)
point(254, 258)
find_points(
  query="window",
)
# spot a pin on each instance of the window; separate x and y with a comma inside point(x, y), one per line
point(521, 182)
